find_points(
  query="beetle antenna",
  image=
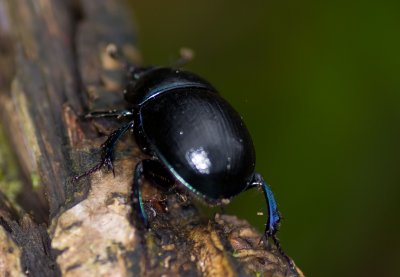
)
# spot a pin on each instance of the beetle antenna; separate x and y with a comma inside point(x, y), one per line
point(114, 53)
point(133, 71)
point(185, 56)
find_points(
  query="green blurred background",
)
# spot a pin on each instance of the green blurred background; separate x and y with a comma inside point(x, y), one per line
point(318, 86)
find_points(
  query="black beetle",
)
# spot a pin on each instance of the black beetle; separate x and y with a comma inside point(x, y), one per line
point(193, 136)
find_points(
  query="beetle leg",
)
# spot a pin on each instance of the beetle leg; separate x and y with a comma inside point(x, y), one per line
point(274, 217)
point(157, 174)
point(136, 196)
point(110, 113)
point(107, 151)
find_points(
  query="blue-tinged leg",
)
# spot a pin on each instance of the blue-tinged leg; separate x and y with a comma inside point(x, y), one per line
point(274, 217)
point(107, 151)
point(136, 197)
point(155, 172)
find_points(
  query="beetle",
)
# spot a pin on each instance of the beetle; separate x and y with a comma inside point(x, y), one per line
point(194, 137)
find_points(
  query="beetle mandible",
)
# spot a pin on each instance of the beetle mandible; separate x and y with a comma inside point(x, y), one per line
point(194, 137)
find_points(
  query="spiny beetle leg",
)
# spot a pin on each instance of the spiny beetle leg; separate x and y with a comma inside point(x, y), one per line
point(274, 218)
point(107, 151)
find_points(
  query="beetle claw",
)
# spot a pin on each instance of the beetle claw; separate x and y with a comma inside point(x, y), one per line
point(264, 239)
point(108, 162)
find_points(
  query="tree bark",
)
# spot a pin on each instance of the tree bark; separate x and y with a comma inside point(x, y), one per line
point(53, 68)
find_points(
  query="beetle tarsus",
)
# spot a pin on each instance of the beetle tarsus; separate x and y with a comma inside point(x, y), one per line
point(110, 166)
point(88, 172)
point(104, 162)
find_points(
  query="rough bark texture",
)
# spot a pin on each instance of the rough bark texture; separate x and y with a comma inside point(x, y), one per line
point(53, 67)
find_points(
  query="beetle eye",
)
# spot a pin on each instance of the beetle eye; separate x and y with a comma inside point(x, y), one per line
point(198, 158)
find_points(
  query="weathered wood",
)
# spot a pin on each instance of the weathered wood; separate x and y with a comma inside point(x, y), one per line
point(53, 67)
